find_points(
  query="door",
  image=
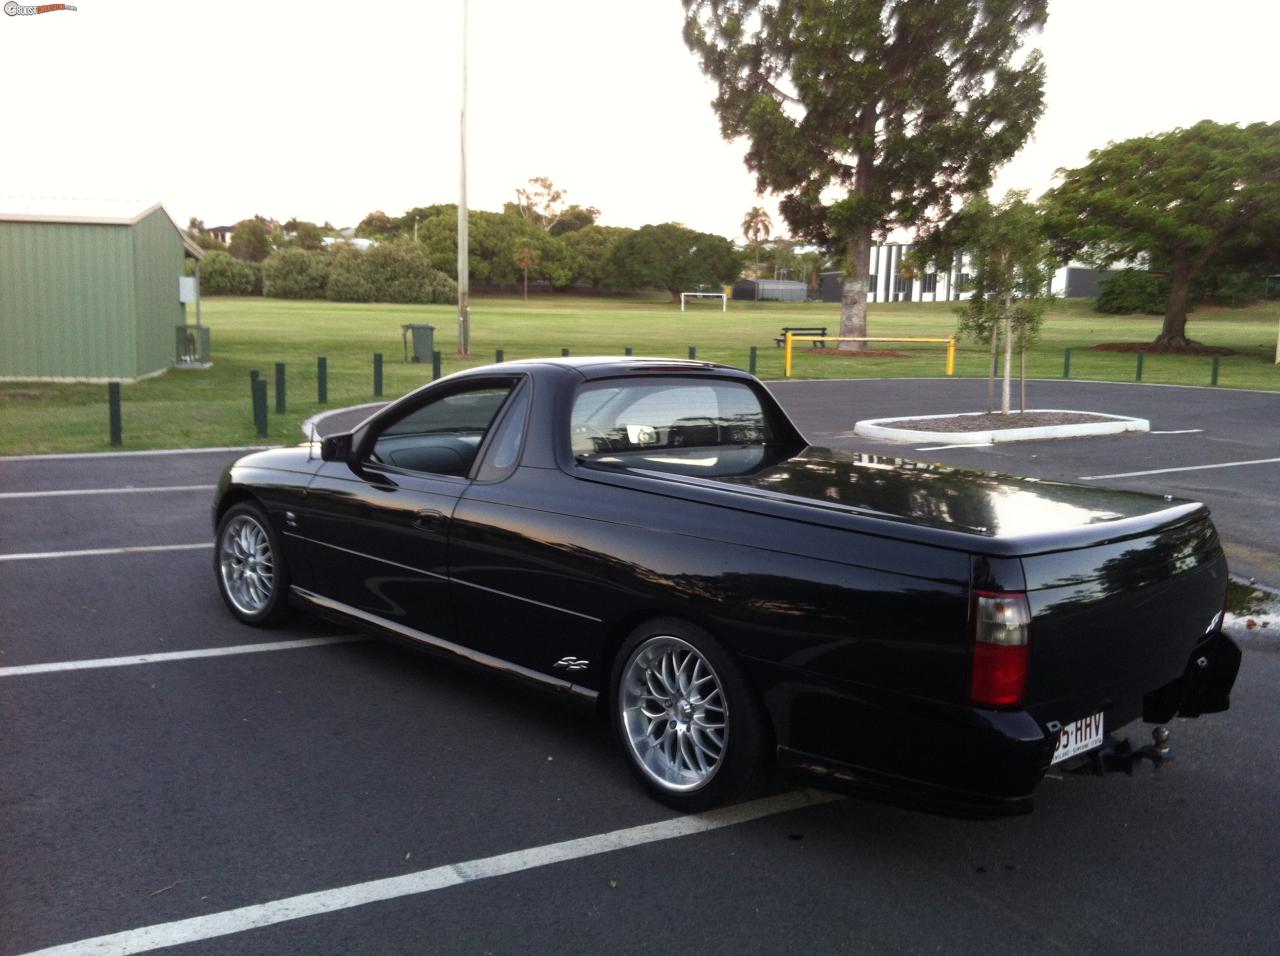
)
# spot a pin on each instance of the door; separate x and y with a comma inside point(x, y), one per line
point(378, 525)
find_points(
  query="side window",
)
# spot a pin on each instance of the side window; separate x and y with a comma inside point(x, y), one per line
point(442, 437)
point(508, 439)
point(653, 414)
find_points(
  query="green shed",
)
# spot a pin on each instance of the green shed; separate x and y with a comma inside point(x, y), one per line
point(90, 291)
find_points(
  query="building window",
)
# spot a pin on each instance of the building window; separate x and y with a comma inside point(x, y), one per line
point(930, 282)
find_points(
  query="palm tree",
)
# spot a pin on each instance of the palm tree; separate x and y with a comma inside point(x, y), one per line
point(756, 226)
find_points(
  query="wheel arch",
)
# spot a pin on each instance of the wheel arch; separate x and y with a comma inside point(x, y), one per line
point(620, 629)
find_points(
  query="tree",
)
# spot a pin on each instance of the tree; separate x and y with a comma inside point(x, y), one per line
point(756, 226)
point(526, 259)
point(674, 258)
point(249, 241)
point(575, 217)
point(868, 114)
point(1181, 198)
point(543, 204)
point(307, 235)
point(590, 252)
point(377, 225)
point(1012, 263)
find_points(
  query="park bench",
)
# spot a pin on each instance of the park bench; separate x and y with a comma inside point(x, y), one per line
point(802, 330)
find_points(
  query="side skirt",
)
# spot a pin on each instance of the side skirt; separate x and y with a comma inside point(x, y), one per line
point(328, 606)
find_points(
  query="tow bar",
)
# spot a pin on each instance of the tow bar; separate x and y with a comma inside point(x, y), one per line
point(1120, 756)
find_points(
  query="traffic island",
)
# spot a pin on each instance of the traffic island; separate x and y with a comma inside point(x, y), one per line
point(985, 428)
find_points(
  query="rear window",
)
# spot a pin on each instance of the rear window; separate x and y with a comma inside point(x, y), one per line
point(645, 415)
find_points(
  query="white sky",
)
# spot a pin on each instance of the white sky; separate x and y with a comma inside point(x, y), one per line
point(326, 110)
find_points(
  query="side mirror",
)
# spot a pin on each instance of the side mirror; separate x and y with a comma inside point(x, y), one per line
point(336, 447)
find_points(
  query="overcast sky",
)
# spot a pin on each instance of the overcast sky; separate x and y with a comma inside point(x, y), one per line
point(325, 110)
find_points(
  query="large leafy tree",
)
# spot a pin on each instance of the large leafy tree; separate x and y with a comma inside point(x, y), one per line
point(1183, 199)
point(868, 114)
point(675, 258)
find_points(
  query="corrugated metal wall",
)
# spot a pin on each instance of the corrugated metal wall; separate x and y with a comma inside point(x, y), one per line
point(157, 265)
point(66, 301)
point(89, 301)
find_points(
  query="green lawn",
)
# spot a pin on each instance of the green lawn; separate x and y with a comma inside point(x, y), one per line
point(212, 407)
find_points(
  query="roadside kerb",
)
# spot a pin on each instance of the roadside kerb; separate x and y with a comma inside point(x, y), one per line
point(1118, 424)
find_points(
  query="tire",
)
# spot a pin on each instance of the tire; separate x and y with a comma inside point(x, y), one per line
point(690, 726)
point(249, 566)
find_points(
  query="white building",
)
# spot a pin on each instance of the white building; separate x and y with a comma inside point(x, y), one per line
point(1075, 280)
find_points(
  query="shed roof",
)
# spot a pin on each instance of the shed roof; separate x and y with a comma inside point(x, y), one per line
point(100, 212)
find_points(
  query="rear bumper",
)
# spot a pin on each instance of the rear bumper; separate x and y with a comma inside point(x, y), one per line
point(954, 758)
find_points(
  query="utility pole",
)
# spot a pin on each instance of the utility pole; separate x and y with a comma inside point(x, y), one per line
point(464, 268)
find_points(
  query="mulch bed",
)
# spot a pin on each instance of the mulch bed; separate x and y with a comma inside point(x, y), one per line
point(1195, 348)
point(865, 353)
point(975, 423)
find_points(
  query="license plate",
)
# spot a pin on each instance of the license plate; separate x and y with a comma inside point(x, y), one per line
point(1076, 738)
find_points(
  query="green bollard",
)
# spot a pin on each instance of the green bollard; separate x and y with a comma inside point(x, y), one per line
point(377, 374)
point(260, 406)
point(322, 380)
point(1213, 377)
point(1138, 372)
point(693, 352)
point(281, 402)
point(113, 412)
point(752, 367)
point(499, 356)
point(436, 360)
point(627, 351)
point(254, 375)
point(564, 353)
point(1066, 363)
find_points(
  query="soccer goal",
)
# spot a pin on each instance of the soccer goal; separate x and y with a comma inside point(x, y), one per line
point(724, 299)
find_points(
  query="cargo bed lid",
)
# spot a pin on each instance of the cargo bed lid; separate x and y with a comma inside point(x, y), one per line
point(982, 511)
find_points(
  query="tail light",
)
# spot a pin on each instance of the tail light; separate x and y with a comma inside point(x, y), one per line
point(1000, 627)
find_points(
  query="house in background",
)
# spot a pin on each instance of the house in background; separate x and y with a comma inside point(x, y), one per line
point(94, 290)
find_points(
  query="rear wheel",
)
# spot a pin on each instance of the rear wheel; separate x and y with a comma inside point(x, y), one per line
point(690, 725)
point(249, 566)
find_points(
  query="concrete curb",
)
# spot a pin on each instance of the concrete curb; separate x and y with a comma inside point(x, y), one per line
point(874, 428)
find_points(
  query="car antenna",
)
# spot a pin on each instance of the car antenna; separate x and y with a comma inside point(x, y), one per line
point(311, 445)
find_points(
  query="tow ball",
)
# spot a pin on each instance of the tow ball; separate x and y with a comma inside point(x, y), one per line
point(1121, 756)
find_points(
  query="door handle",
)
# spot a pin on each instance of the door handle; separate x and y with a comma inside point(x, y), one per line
point(429, 520)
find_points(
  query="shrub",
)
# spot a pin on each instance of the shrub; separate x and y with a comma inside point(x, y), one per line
point(1132, 290)
point(296, 274)
point(224, 274)
point(1237, 289)
point(389, 272)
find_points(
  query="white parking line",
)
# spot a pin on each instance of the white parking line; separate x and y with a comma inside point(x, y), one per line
point(1167, 471)
point(24, 670)
point(72, 456)
point(1179, 431)
point(985, 444)
point(425, 881)
point(103, 491)
point(91, 552)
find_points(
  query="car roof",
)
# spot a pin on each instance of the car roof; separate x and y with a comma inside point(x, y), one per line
point(607, 366)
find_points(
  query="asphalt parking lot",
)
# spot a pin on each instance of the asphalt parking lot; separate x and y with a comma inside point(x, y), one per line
point(168, 777)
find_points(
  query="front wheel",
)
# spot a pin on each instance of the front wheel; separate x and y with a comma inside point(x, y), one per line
point(690, 725)
point(249, 566)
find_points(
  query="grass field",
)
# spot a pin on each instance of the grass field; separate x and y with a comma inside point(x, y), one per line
point(213, 407)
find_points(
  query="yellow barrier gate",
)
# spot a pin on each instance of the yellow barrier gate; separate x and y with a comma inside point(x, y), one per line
point(951, 345)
